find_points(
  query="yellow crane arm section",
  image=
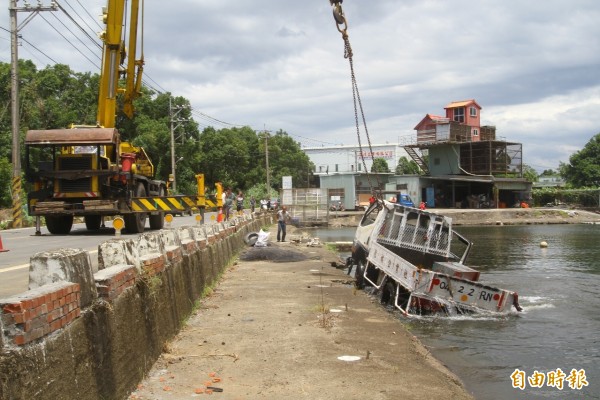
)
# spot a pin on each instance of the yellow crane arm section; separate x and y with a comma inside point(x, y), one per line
point(113, 57)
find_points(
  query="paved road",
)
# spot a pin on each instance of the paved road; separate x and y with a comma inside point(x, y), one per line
point(23, 243)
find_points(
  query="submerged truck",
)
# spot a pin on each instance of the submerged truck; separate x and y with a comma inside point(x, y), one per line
point(416, 261)
point(89, 171)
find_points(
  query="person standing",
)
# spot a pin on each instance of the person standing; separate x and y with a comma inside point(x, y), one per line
point(239, 203)
point(228, 203)
point(252, 204)
point(282, 219)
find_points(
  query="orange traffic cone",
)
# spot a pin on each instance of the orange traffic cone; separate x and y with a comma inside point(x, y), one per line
point(220, 216)
point(2, 249)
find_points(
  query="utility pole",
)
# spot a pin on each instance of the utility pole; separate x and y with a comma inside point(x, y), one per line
point(14, 100)
point(172, 116)
point(267, 164)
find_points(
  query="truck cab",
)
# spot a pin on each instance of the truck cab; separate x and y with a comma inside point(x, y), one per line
point(404, 200)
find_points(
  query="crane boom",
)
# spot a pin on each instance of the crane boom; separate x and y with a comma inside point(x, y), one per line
point(113, 58)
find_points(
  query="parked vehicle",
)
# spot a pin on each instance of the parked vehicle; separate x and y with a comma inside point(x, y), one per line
point(415, 260)
point(404, 200)
point(89, 171)
point(337, 206)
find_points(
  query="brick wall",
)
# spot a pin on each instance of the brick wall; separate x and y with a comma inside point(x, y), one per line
point(106, 347)
point(39, 312)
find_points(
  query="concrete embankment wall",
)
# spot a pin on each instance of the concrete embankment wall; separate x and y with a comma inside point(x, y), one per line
point(78, 335)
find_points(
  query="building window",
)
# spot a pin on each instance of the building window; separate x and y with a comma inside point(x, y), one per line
point(336, 168)
point(360, 167)
point(320, 168)
point(459, 114)
point(473, 111)
point(352, 168)
point(475, 132)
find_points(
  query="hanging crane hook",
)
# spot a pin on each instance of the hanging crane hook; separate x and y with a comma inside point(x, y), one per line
point(338, 16)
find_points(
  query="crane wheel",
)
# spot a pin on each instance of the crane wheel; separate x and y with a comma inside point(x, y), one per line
point(92, 222)
point(157, 221)
point(135, 222)
point(59, 224)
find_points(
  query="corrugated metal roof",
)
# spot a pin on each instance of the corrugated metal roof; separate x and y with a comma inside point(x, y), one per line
point(462, 103)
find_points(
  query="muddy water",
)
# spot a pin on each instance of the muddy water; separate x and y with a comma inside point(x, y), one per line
point(559, 288)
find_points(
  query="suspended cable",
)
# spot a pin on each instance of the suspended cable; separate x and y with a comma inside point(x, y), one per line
point(91, 17)
point(63, 36)
point(342, 27)
point(76, 36)
point(83, 19)
point(161, 91)
point(46, 55)
point(92, 38)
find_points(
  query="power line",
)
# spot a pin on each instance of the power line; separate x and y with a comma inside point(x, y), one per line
point(212, 119)
point(163, 90)
point(46, 55)
point(77, 37)
point(92, 39)
point(83, 19)
point(63, 36)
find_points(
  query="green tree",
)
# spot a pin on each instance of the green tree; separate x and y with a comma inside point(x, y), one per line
point(529, 173)
point(56, 97)
point(226, 156)
point(583, 169)
point(548, 172)
point(380, 165)
point(407, 167)
point(5, 176)
point(286, 158)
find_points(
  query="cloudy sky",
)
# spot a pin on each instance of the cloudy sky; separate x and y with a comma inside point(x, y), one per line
point(534, 66)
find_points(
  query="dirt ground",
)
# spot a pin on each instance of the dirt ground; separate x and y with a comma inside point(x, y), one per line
point(274, 330)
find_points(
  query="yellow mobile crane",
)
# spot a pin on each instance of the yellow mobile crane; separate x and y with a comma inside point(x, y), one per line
point(87, 170)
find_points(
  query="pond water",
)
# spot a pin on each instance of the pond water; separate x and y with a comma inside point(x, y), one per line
point(559, 288)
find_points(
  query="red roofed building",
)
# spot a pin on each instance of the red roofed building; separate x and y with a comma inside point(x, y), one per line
point(462, 160)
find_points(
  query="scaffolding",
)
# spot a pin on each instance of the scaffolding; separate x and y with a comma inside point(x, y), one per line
point(496, 158)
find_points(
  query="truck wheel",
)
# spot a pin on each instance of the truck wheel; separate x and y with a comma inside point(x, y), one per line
point(157, 221)
point(92, 222)
point(135, 222)
point(388, 293)
point(359, 275)
point(59, 224)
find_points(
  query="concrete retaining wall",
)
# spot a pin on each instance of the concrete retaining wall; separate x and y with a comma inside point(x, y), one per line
point(75, 335)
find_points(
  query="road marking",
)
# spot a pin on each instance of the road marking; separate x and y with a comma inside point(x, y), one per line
point(16, 267)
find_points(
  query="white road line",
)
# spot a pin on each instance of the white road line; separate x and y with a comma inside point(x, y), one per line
point(16, 267)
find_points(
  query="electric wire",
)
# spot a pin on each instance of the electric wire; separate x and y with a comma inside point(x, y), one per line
point(76, 36)
point(92, 38)
point(88, 13)
point(68, 41)
point(32, 45)
point(202, 119)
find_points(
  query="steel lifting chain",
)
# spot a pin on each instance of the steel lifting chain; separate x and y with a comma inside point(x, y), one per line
point(342, 27)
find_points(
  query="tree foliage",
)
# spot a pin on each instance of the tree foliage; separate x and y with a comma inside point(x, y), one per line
point(380, 165)
point(530, 173)
point(583, 169)
point(407, 167)
point(56, 97)
point(548, 172)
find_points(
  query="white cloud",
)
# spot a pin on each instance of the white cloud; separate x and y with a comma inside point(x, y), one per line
point(533, 66)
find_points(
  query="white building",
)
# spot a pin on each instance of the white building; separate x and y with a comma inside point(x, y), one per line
point(347, 159)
